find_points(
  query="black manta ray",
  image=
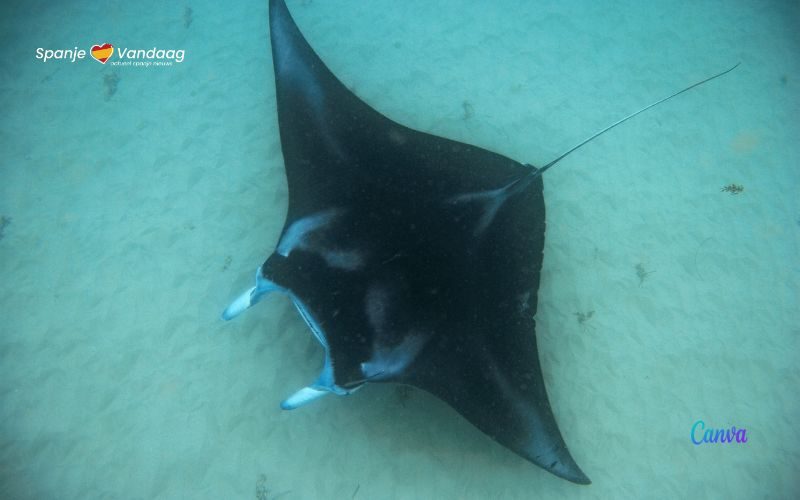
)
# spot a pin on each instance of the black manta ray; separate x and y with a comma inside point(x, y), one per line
point(413, 258)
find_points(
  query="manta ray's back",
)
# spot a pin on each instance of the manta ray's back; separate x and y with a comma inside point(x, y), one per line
point(410, 257)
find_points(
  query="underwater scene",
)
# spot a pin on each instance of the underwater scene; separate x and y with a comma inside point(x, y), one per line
point(331, 249)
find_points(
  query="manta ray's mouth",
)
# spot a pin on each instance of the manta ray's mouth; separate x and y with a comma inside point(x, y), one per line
point(324, 384)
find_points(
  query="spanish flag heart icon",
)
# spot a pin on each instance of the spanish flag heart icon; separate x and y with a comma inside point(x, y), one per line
point(102, 52)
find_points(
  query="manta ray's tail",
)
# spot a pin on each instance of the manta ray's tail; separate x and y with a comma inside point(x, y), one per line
point(520, 184)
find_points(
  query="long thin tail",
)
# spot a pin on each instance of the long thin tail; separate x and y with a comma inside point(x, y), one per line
point(527, 179)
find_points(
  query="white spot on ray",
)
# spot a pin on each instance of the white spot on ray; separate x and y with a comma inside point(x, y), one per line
point(300, 236)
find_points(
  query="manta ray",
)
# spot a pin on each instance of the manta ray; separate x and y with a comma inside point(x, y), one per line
point(413, 259)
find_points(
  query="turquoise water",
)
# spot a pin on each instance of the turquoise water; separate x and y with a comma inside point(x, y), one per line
point(136, 202)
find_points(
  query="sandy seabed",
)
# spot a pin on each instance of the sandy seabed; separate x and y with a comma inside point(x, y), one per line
point(136, 202)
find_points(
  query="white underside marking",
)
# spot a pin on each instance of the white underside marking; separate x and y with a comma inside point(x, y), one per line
point(491, 201)
point(386, 363)
point(298, 236)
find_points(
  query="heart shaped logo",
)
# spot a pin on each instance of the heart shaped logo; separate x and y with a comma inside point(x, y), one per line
point(102, 52)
